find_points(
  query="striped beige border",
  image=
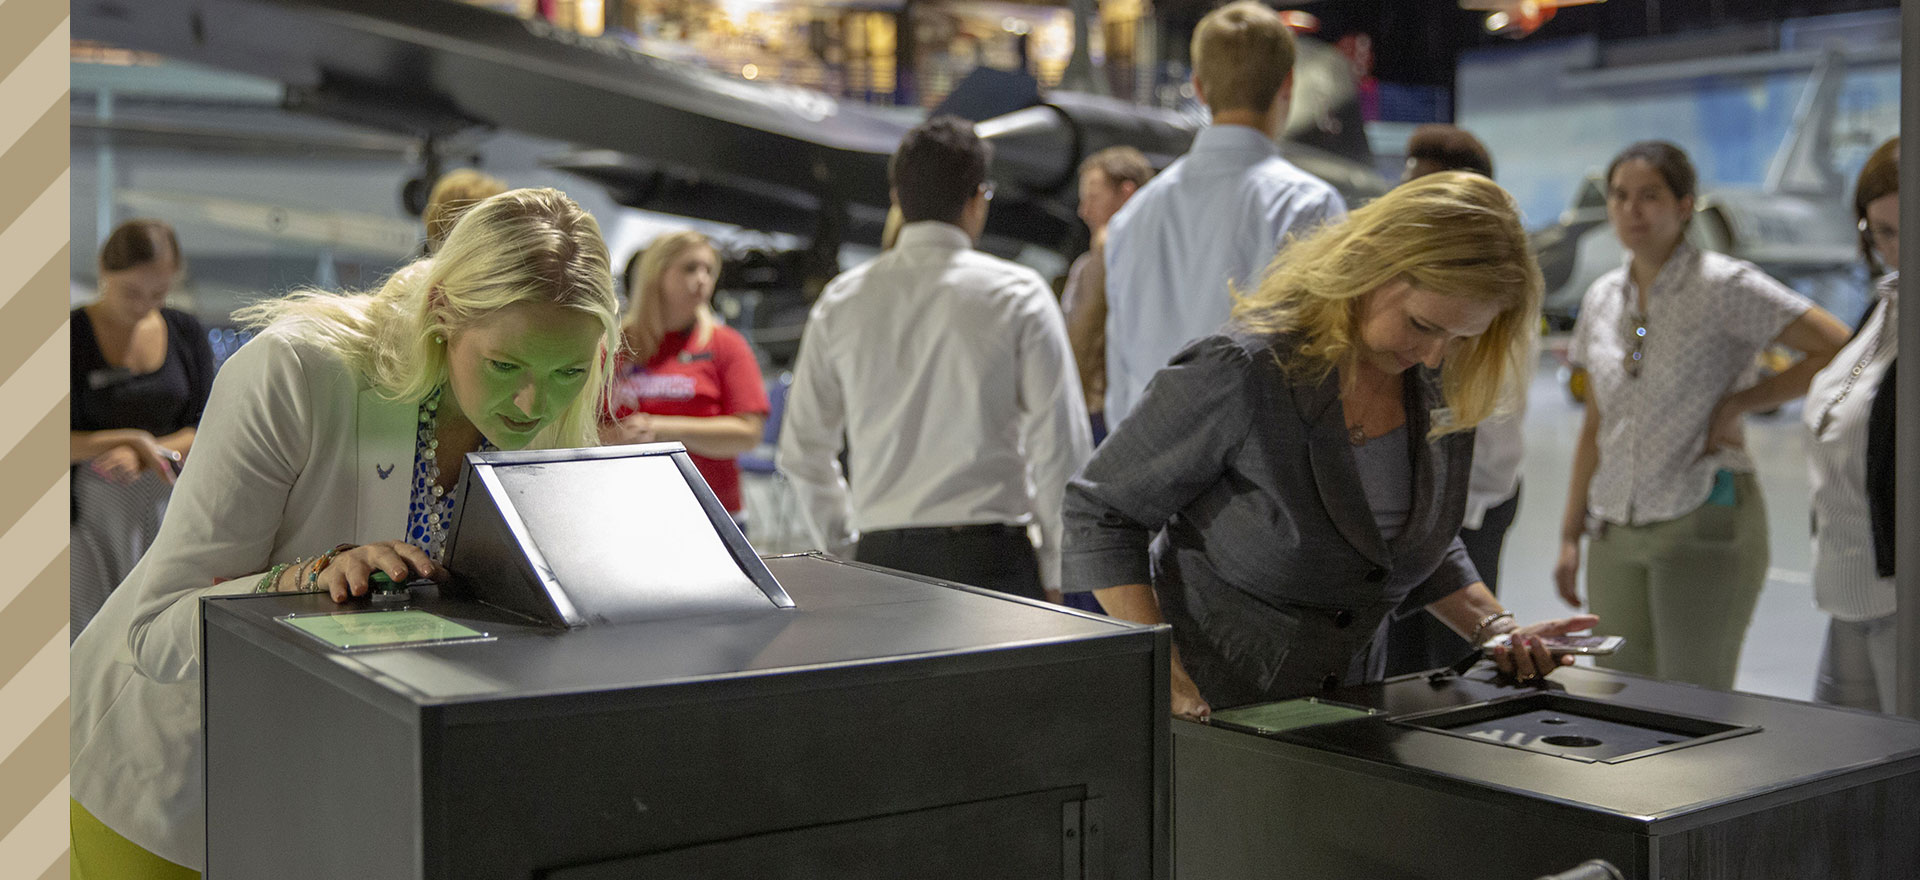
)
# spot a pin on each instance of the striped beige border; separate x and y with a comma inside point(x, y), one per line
point(34, 163)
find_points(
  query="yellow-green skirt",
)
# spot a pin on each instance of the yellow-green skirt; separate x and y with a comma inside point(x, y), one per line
point(100, 853)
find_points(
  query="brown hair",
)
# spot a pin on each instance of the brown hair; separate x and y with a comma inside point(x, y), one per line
point(1450, 147)
point(1121, 165)
point(137, 243)
point(1879, 178)
point(939, 166)
point(1242, 55)
point(1454, 233)
point(453, 193)
point(1670, 161)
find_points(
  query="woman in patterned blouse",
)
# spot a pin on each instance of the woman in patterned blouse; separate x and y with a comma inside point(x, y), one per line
point(1661, 482)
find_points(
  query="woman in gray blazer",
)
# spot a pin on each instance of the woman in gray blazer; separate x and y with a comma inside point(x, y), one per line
point(1286, 485)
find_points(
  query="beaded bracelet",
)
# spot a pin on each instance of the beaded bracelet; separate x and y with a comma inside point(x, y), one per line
point(320, 564)
point(273, 574)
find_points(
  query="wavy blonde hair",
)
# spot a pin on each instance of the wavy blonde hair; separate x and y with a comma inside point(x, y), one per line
point(525, 245)
point(645, 325)
point(1453, 233)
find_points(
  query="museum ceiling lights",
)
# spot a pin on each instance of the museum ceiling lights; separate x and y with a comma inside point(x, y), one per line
point(1518, 18)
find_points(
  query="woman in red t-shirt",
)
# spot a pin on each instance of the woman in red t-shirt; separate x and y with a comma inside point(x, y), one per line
point(682, 375)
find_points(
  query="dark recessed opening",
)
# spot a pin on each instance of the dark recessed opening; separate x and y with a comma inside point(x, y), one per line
point(1571, 742)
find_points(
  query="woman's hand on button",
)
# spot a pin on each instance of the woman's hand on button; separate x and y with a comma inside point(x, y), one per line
point(347, 576)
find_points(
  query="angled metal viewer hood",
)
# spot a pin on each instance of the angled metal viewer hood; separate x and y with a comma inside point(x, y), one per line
point(622, 534)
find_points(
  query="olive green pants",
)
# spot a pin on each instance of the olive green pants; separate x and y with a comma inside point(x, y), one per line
point(1682, 591)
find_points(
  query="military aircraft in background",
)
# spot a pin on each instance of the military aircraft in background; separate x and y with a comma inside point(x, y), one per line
point(1797, 226)
point(676, 138)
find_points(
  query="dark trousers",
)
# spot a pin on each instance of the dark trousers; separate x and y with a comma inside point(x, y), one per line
point(997, 557)
point(1420, 641)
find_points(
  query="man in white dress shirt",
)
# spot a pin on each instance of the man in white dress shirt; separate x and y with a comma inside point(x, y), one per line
point(948, 374)
point(1216, 216)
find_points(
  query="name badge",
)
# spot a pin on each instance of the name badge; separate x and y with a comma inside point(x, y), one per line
point(105, 376)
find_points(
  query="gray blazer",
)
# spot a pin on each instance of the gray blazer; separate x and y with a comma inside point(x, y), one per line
point(1233, 490)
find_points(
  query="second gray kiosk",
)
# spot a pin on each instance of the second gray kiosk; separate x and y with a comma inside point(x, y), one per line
point(620, 688)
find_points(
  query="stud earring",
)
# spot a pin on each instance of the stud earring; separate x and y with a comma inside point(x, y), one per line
point(439, 339)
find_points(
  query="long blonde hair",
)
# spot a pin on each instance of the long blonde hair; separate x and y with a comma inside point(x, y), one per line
point(1453, 233)
point(644, 324)
point(525, 245)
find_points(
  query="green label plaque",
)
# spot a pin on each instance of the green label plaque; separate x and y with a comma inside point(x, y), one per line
point(1288, 714)
point(359, 630)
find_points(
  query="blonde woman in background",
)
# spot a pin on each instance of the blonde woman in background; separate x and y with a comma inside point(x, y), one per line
point(329, 451)
point(454, 192)
point(1300, 486)
point(682, 375)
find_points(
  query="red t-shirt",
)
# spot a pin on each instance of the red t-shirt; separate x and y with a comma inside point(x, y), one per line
point(721, 379)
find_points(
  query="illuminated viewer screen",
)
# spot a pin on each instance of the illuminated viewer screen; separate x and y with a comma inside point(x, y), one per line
point(608, 535)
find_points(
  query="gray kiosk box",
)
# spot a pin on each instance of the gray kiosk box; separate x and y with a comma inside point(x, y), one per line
point(1475, 779)
point(609, 692)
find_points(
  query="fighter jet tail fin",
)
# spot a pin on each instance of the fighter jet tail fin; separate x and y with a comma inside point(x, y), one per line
point(1804, 162)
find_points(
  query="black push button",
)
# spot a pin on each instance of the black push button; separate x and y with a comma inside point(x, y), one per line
point(1343, 618)
point(1377, 575)
point(1330, 682)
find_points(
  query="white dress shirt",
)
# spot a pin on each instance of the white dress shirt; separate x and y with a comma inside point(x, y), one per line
point(949, 373)
point(1708, 318)
point(1500, 446)
point(1846, 583)
point(1212, 219)
point(288, 462)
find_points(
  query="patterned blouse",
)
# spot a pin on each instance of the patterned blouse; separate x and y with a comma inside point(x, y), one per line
point(1708, 318)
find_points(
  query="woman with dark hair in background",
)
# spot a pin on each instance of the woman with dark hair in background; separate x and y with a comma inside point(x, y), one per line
point(1678, 542)
point(141, 375)
point(1850, 414)
point(682, 375)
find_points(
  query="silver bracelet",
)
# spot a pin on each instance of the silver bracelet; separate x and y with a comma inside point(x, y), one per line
point(1479, 629)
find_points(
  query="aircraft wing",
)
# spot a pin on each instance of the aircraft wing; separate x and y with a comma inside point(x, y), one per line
point(675, 137)
point(433, 68)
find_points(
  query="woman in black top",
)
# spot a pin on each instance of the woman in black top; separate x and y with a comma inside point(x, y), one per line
point(141, 376)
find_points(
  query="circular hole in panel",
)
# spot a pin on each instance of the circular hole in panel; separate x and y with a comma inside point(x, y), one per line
point(1666, 742)
point(1553, 721)
point(1571, 742)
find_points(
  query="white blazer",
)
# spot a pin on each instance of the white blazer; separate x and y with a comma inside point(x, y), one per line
point(295, 454)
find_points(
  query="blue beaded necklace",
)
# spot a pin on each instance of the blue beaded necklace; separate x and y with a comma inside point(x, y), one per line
point(430, 509)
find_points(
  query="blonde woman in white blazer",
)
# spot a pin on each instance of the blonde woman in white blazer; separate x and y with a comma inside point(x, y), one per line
point(328, 441)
